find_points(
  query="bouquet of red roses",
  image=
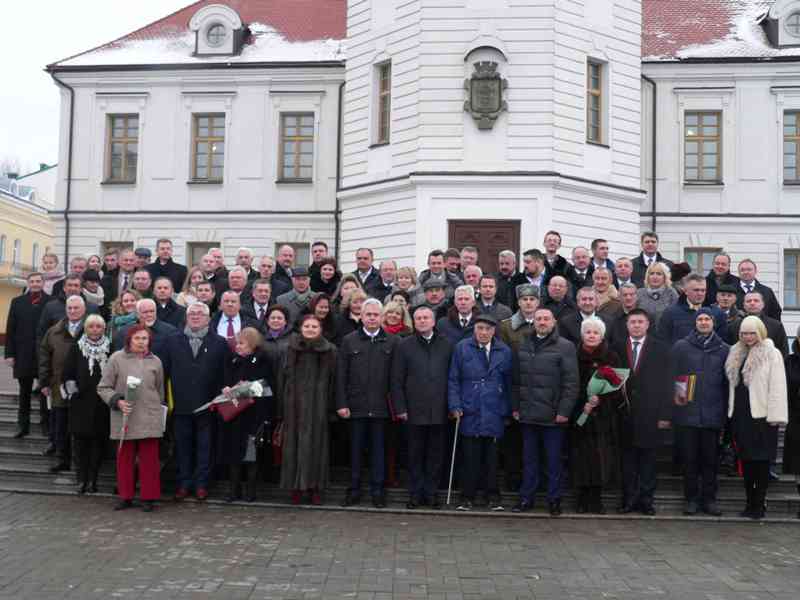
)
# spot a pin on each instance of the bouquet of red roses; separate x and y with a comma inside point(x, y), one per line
point(604, 380)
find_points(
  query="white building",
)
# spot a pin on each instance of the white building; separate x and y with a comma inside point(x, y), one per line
point(43, 183)
point(733, 183)
point(218, 127)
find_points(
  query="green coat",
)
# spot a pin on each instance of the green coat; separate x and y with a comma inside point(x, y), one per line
point(53, 352)
point(306, 404)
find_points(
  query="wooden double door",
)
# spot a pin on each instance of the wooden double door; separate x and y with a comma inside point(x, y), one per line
point(489, 237)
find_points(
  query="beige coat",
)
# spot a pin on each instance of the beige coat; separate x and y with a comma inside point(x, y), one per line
point(765, 378)
point(145, 420)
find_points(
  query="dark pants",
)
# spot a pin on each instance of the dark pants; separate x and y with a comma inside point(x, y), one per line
point(553, 439)
point(365, 432)
point(511, 447)
point(24, 410)
point(700, 450)
point(756, 482)
point(639, 476)
point(193, 450)
point(59, 430)
point(479, 466)
point(425, 458)
point(89, 453)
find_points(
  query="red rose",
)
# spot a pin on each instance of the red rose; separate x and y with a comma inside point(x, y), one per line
point(609, 374)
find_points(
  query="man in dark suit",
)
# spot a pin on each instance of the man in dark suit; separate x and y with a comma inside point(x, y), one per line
point(559, 300)
point(648, 256)
point(600, 259)
point(229, 321)
point(579, 275)
point(506, 270)
point(77, 266)
point(648, 410)
point(754, 305)
point(282, 276)
point(164, 266)
point(720, 274)
point(365, 272)
point(487, 299)
point(21, 351)
point(533, 272)
point(167, 309)
point(115, 282)
point(748, 283)
point(569, 325)
point(554, 263)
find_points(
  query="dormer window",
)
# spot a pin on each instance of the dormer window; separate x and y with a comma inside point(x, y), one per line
point(218, 30)
point(793, 24)
point(216, 34)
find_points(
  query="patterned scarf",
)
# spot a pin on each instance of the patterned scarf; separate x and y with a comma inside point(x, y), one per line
point(95, 352)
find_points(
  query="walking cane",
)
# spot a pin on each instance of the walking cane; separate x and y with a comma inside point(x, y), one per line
point(453, 459)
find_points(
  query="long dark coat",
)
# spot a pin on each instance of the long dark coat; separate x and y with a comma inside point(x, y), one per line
point(88, 414)
point(53, 351)
point(649, 390)
point(195, 381)
point(594, 447)
point(791, 442)
point(276, 348)
point(234, 434)
point(23, 317)
point(419, 379)
point(306, 404)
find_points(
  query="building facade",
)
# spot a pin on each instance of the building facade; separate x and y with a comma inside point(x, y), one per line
point(414, 124)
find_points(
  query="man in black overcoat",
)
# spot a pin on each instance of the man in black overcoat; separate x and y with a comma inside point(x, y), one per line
point(21, 348)
point(648, 410)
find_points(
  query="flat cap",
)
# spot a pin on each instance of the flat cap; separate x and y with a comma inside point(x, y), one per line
point(485, 318)
point(300, 272)
point(143, 252)
point(527, 289)
point(432, 284)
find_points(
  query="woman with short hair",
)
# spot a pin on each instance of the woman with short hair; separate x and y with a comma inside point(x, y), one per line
point(349, 317)
point(137, 416)
point(88, 414)
point(757, 406)
point(396, 320)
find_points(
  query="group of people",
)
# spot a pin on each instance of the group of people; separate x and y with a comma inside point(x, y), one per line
point(560, 369)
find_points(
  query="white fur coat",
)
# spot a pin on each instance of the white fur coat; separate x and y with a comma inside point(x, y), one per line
point(765, 378)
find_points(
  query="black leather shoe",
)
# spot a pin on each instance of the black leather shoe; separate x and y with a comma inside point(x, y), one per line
point(522, 506)
point(50, 450)
point(93, 488)
point(82, 489)
point(351, 499)
point(691, 508)
point(62, 466)
point(20, 434)
point(712, 508)
point(436, 503)
point(649, 510)
point(379, 501)
point(123, 505)
point(555, 508)
point(412, 504)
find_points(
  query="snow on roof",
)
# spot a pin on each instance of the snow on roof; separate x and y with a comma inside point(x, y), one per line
point(707, 29)
point(281, 31)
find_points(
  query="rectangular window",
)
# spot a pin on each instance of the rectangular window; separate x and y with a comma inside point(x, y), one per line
point(208, 147)
point(297, 147)
point(123, 148)
point(594, 102)
point(384, 103)
point(302, 251)
point(791, 279)
point(195, 251)
point(703, 147)
point(700, 259)
point(16, 255)
point(791, 144)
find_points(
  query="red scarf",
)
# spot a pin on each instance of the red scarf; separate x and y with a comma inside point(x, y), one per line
point(394, 329)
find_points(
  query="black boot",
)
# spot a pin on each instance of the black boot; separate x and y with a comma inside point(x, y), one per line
point(234, 486)
point(596, 500)
point(582, 504)
point(252, 480)
point(759, 508)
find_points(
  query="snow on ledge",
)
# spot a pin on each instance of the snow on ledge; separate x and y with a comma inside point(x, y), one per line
point(266, 45)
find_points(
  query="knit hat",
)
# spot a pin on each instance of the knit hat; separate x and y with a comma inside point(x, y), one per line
point(704, 311)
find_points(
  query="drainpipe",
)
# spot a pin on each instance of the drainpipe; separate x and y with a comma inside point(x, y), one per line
point(69, 165)
point(653, 151)
point(336, 215)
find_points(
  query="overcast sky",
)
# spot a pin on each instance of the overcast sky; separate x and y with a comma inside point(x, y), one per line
point(45, 31)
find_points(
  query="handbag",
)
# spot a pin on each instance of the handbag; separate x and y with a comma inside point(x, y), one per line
point(229, 411)
point(263, 435)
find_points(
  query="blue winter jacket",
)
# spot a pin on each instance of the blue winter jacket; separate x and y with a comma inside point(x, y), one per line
point(480, 388)
point(705, 358)
point(677, 321)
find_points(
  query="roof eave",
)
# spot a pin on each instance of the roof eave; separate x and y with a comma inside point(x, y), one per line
point(325, 64)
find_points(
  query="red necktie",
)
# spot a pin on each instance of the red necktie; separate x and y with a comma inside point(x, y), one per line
point(230, 335)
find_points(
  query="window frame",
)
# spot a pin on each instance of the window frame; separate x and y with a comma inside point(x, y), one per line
point(3, 241)
point(795, 114)
point(702, 251)
point(35, 256)
point(700, 139)
point(192, 246)
point(304, 246)
point(16, 253)
point(383, 99)
point(210, 139)
point(786, 305)
point(591, 94)
point(125, 141)
point(297, 139)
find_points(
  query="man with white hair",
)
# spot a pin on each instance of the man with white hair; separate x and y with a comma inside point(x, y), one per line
point(147, 314)
point(472, 276)
point(244, 259)
point(362, 388)
point(56, 345)
point(229, 321)
point(460, 319)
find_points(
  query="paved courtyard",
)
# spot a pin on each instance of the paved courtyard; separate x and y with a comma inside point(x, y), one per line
point(69, 547)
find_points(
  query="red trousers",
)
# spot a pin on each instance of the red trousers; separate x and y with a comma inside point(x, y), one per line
point(149, 469)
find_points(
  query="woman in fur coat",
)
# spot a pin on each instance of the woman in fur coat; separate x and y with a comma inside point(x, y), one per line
point(757, 405)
